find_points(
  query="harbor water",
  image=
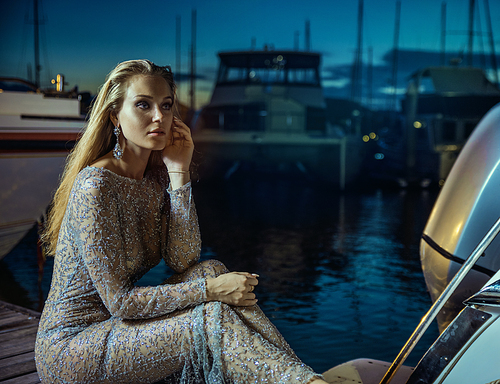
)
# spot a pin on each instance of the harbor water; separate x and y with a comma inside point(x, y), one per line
point(340, 274)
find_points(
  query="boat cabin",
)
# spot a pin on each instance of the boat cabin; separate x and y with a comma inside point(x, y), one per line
point(271, 91)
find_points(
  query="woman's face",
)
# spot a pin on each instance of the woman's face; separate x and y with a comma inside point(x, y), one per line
point(146, 114)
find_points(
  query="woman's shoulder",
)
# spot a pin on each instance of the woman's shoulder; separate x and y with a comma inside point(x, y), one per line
point(94, 178)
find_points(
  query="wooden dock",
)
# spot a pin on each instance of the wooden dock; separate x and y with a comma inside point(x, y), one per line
point(18, 328)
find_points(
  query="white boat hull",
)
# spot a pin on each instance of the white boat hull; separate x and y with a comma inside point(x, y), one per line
point(28, 183)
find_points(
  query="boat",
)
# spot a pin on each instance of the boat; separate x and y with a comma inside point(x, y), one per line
point(37, 130)
point(439, 112)
point(465, 219)
point(268, 113)
point(465, 208)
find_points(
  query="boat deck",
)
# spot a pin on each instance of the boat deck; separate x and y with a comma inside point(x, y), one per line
point(18, 327)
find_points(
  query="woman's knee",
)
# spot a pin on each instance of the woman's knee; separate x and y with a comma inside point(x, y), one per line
point(213, 268)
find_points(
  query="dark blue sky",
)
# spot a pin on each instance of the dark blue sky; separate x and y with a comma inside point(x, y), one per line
point(85, 40)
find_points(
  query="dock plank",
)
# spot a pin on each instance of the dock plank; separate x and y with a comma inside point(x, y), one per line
point(18, 327)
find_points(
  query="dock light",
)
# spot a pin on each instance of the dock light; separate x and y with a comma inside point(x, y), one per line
point(373, 135)
point(417, 124)
point(379, 156)
point(366, 138)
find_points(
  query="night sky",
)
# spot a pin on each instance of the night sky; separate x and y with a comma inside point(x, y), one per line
point(85, 40)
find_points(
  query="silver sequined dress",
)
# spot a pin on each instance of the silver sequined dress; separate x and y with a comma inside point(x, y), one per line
point(98, 327)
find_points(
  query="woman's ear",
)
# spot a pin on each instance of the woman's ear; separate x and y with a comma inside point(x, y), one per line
point(114, 118)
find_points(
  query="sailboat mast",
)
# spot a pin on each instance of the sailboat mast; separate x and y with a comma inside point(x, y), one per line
point(193, 61)
point(356, 70)
point(307, 34)
point(492, 42)
point(395, 56)
point(442, 60)
point(37, 42)
point(471, 31)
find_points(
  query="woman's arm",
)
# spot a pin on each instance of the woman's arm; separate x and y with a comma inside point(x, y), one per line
point(100, 243)
point(183, 245)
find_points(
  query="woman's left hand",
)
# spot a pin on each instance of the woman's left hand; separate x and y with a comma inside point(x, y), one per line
point(178, 152)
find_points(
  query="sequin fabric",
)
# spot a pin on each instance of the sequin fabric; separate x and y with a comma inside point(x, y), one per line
point(98, 327)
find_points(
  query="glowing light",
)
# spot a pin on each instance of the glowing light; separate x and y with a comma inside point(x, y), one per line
point(379, 156)
point(366, 138)
point(417, 124)
point(373, 135)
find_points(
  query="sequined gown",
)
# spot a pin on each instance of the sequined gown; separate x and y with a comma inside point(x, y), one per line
point(98, 327)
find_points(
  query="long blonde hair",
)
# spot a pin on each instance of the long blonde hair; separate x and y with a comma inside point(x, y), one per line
point(98, 138)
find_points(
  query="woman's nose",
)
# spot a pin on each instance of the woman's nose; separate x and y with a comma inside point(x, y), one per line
point(157, 114)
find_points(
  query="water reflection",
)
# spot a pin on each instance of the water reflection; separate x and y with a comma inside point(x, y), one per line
point(340, 272)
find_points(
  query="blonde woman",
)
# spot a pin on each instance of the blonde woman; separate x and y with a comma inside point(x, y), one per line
point(124, 203)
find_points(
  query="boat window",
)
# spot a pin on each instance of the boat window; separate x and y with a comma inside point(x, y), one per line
point(266, 76)
point(303, 76)
point(243, 117)
point(272, 74)
point(235, 75)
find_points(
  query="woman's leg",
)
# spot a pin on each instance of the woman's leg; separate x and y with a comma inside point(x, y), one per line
point(251, 316)
point(252, 332)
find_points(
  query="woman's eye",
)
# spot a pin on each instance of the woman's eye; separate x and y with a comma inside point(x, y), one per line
point(142, 105)
point(167, 106)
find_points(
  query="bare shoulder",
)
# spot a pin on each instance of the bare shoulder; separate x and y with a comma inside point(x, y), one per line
point(105, 162)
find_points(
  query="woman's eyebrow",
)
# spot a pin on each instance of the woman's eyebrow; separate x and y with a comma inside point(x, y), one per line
point(151, 97)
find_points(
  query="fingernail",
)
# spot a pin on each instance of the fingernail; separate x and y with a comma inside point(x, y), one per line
point(254, 274)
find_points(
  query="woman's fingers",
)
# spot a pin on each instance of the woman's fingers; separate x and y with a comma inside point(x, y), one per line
point(234, 288)
point(180, 133)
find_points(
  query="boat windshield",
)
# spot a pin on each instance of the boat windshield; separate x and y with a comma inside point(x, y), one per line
point(269, 68)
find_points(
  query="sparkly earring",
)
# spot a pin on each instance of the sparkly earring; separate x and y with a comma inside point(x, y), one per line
point(117, 150)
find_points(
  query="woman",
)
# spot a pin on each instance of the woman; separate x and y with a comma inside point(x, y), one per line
point(124, 203)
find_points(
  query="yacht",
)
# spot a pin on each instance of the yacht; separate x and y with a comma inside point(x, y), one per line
point(441, 108)
point(268, 113)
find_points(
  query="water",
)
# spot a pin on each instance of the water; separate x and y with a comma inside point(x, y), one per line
point(339, 272)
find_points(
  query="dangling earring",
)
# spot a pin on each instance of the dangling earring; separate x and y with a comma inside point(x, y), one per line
point(117, 150)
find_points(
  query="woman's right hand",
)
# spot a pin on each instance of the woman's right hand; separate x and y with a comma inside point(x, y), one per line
point(234, 288)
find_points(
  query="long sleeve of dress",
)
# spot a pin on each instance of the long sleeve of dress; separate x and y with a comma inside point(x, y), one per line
point(107, 258)
point(183, 246)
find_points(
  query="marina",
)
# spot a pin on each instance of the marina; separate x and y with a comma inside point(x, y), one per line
point(371, 229)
